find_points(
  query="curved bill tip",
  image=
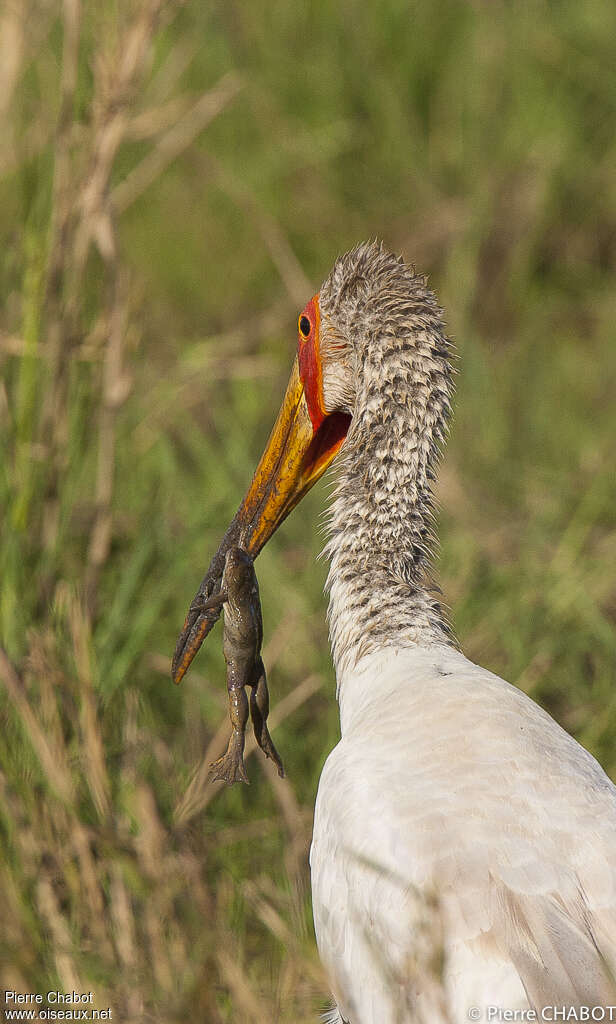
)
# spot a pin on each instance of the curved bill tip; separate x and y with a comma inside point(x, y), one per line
point(202, 613)
point(295, 457)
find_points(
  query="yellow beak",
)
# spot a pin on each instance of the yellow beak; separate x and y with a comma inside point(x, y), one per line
point(295, 457)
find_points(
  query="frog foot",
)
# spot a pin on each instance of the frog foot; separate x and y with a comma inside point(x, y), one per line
point(266, 743)
point(230, 767)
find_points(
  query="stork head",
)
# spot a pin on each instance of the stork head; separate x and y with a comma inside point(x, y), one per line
point(369, 291)
point(365, 291)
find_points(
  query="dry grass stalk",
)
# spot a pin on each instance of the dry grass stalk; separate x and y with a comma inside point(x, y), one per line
point(52, 761)
point(276, 241)
point(92, 743)
point(246, 1000)
point(12, 26)
point(81, 218)
point(60, 932)
point(219, 357)
point(123, 920)
point(178, 138)
point(116, 386)
point(92, 894)
point(299, 830)
point(201, 789)
point(177, 61)
point(117, 80)
point(266, 911)
point(150, 123)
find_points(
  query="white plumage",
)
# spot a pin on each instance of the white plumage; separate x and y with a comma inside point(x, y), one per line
point(455, 815)
point(464, 851)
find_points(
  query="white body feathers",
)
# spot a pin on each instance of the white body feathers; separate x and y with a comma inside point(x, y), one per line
point(464, 850)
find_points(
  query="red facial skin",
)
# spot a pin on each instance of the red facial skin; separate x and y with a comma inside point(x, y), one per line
point(310, 369)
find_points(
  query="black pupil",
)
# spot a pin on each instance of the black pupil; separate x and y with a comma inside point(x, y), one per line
point(304, 326)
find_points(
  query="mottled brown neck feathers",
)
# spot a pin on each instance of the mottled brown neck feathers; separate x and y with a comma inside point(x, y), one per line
point(381, 537)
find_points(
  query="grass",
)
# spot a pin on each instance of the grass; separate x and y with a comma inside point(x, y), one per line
point(175, 181)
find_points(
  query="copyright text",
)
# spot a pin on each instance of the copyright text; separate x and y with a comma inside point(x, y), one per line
point(551, 1014)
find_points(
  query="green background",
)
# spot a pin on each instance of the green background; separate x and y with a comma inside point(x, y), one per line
point(175, 182)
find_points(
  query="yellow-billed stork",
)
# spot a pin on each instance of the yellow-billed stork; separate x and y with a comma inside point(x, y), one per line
point(464, 848)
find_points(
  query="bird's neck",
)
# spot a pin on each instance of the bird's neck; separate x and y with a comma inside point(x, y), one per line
point(381, 515)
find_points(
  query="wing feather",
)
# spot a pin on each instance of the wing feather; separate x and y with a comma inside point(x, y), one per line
point(453, 798)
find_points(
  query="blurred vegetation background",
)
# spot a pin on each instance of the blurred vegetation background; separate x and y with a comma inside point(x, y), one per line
point(175, 182)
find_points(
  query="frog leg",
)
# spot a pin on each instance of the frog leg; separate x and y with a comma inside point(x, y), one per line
point(230, 767)
point(215, 601)
point(259, 710)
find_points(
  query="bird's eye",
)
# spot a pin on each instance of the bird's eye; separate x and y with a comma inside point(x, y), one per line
point(304, 325)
